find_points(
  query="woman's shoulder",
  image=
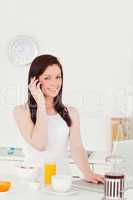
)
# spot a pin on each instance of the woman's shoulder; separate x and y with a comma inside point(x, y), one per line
point(20, 109)
point(73, 111)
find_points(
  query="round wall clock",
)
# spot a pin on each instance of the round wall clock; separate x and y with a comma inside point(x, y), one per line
point(22, 50)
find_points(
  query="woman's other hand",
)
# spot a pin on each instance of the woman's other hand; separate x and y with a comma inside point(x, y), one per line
point(94, 178)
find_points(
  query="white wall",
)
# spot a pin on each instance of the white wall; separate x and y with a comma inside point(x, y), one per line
point(94, 41)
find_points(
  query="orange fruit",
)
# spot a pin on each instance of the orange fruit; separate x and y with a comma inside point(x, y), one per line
point(4, 186)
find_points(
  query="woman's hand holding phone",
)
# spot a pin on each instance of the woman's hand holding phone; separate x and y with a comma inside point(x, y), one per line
point(36, 91)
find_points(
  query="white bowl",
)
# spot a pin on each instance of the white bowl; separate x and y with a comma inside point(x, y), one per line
point(28, 173)
point(61, 183)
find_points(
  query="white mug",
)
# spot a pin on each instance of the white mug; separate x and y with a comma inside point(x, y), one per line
point(61, 183)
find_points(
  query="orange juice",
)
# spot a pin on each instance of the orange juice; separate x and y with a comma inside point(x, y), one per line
point(49, 171)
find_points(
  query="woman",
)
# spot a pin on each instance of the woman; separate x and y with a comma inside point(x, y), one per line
point(47, 124)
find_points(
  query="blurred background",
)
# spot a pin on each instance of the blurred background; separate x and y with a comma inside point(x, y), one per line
point(94, 42)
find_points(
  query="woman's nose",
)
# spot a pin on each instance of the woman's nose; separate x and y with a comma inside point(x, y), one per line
point(54, 83)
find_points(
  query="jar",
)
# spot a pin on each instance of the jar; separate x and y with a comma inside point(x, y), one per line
point(114, 178)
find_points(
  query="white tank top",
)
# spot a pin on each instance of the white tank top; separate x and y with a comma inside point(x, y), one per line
point(57, 149)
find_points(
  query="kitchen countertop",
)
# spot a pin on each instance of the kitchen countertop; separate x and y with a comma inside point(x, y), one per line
point(34, 194)
point(22, 190)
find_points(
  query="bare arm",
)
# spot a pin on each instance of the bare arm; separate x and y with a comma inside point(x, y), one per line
point(34, 134)
point(78, 152)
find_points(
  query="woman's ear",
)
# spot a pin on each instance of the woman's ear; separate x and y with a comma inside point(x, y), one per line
point(37, 81)
point(40, 80)
point(41, 85)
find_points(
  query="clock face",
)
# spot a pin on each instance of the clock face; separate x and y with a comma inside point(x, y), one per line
point(22, 50)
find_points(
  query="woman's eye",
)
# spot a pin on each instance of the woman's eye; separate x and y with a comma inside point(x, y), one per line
point(46, 78)
point(58, 77)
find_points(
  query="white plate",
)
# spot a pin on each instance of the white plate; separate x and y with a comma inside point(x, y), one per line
point(10, 191)
point(49, 190)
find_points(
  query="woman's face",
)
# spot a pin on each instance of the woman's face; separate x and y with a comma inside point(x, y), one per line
point(51, 81)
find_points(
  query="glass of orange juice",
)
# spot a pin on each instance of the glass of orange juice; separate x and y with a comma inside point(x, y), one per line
point(49, 171)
